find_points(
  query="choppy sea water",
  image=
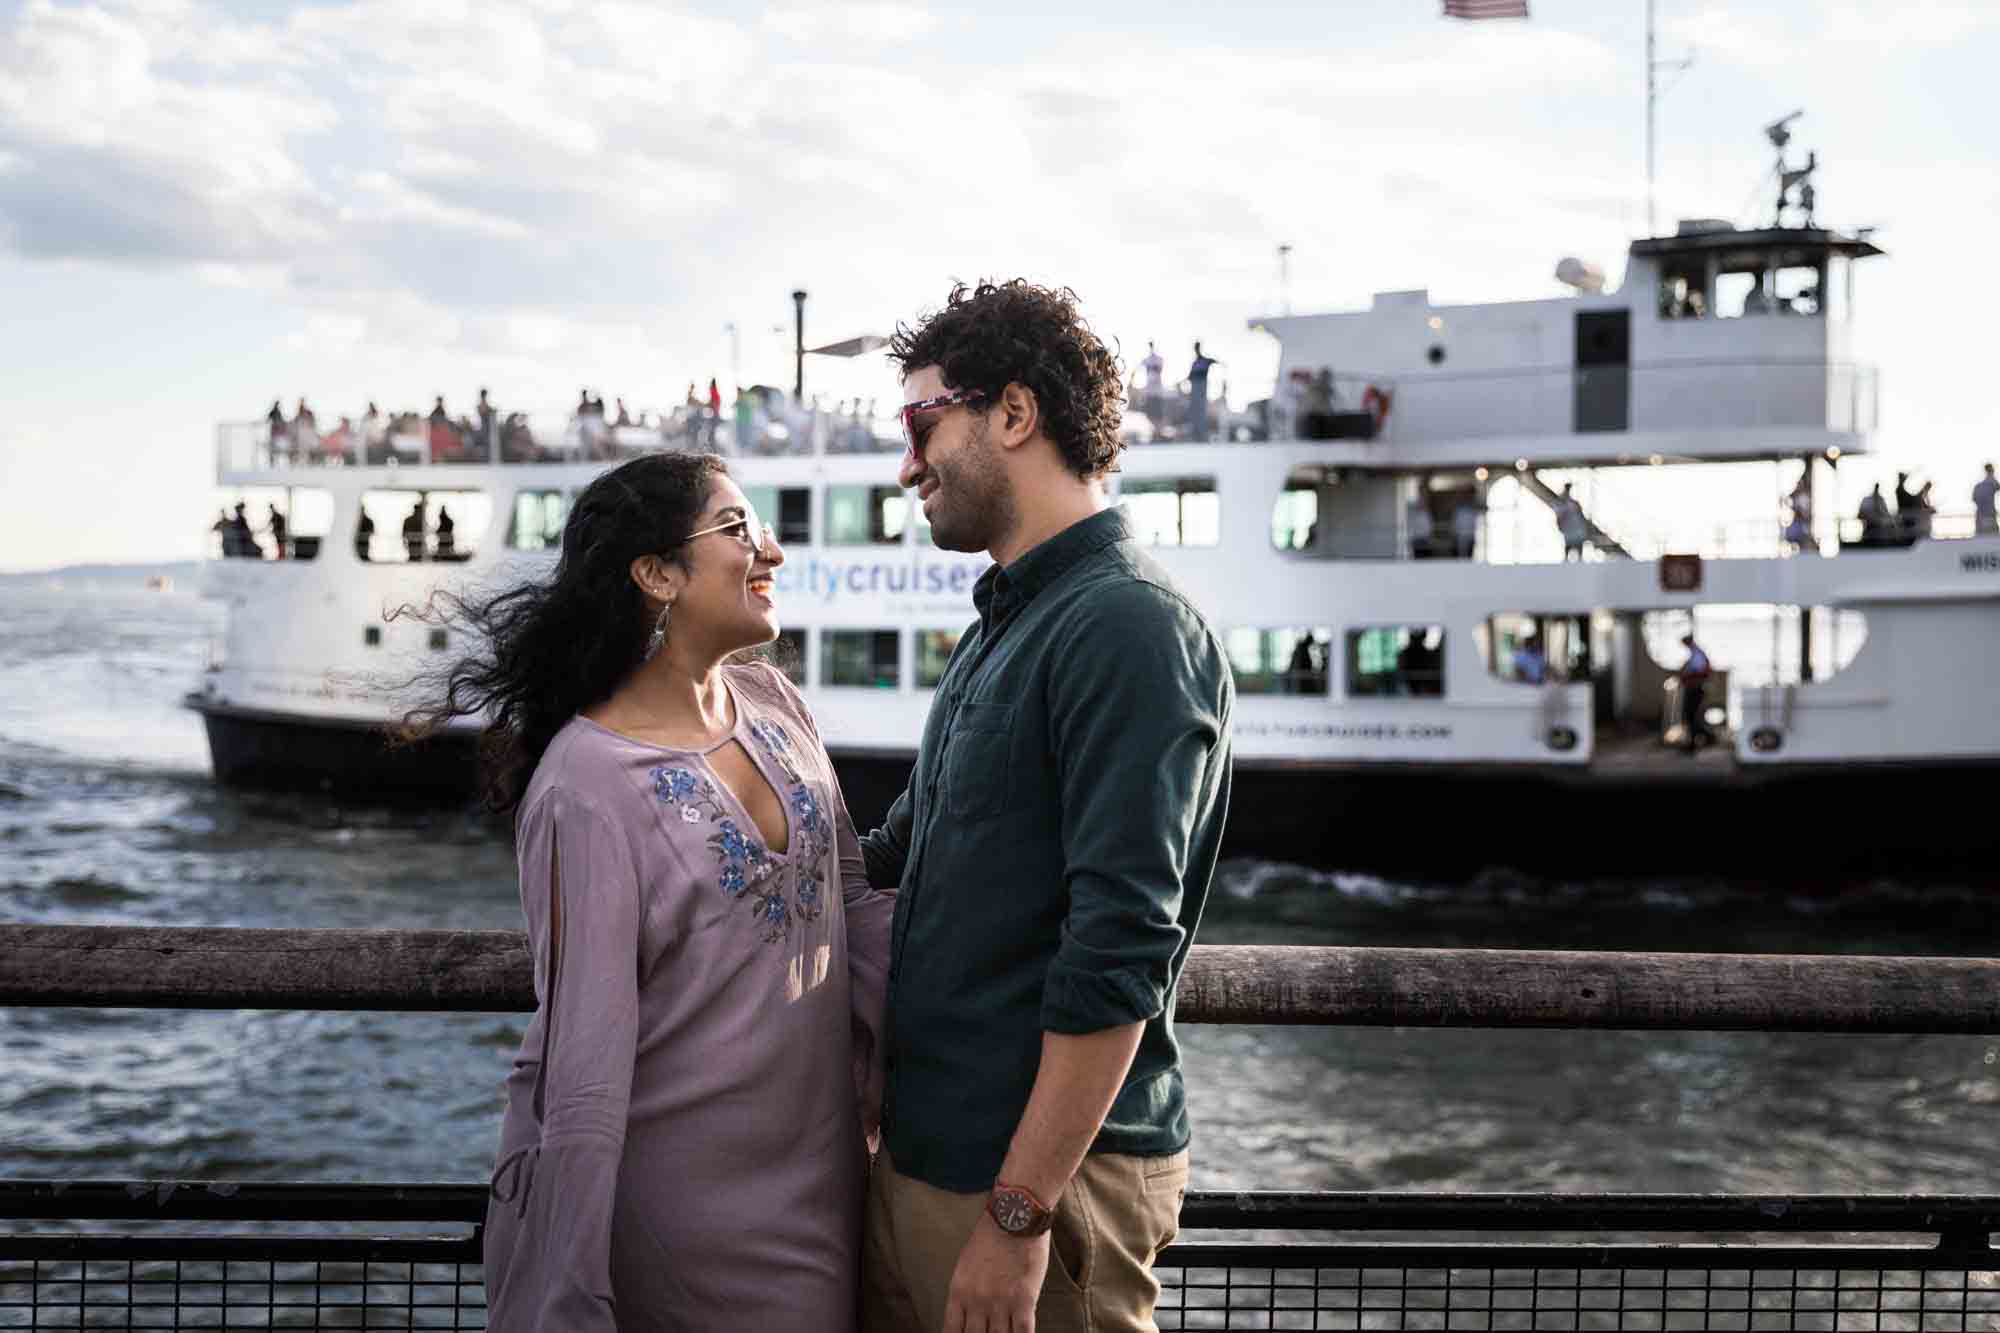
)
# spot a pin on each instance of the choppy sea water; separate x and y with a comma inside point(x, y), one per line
point(107, 815)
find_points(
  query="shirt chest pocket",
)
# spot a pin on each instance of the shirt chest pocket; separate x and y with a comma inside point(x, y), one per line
point(978, 776)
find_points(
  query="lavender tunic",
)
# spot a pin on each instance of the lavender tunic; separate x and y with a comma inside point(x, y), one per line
point(682, 1147)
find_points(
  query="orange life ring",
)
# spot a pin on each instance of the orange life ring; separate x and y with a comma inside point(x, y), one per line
point(1375, 403)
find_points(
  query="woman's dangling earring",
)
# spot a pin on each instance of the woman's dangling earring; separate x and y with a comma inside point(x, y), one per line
point(658, 638)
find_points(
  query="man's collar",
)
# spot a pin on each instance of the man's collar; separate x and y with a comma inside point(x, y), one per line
point(1042, 565)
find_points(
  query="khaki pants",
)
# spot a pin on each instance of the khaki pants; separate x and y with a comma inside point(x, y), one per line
point(1116, 1216)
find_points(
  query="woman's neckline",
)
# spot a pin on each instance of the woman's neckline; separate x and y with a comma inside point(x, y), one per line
point(735, 727)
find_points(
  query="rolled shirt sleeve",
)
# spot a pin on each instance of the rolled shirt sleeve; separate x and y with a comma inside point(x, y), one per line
point(1138, 738)
point(580, 891)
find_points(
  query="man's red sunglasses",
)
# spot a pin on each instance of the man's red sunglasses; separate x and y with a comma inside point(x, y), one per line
point(970, 397)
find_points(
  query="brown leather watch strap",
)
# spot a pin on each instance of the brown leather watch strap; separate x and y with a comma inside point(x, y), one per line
point(1017, 1212)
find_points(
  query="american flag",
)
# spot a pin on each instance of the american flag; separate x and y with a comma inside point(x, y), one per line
point(1486, 9)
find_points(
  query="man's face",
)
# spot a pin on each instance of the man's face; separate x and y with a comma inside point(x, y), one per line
point(958, 475)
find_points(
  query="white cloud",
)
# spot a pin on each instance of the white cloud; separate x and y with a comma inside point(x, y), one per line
point(876, 23)
point(385, 199)
point(124, 160)
point(1879, 27)
point(1852, 34)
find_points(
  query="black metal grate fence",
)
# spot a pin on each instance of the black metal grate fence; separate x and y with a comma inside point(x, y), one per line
point(1487, 1290)
point(1939, 1273)
point(240, 1293)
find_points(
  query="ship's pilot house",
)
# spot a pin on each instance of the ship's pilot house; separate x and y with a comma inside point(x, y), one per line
point(1718, 339)
point(1719, 344)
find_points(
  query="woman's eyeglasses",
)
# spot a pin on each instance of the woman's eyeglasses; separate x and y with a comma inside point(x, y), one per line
point(911, 411)
point(749, 529)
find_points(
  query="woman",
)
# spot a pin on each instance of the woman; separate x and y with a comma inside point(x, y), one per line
point(684, 1145)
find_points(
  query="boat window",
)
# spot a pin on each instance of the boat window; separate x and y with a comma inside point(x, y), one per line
point(1393, 660)
point(788, 653)
point(1743, 285)
point(865, 515)
point(1531, 649)
point(538, 521)
point(1295, 517)
point(1684, 287)
point(1733, 292)
point(787, 510)
point(934, 650)
point(402, 526)
point(1172, 511)
point(1799, 290)
point(275, 523)
point(1280, 661)
point(1758, 643)
point(860, 657)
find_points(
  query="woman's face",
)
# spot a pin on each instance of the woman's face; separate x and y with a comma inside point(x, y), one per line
point(728, 598)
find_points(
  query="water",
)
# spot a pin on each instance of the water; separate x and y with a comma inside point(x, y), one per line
point(107, 816)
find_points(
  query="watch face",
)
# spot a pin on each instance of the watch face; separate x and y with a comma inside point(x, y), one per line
point(1012, 1211)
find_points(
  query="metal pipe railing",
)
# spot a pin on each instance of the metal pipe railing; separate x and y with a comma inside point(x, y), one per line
point(490, 971)
point(1342, 1210)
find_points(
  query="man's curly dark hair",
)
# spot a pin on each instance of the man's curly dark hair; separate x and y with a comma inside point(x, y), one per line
point(1015, 332)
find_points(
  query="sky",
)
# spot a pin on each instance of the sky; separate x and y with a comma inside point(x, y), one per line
point(204, 206)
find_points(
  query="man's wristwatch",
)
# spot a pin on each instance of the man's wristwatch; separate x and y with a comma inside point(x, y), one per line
point(1016, 1211)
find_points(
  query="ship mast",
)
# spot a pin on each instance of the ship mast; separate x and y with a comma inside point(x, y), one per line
point(1653, 93)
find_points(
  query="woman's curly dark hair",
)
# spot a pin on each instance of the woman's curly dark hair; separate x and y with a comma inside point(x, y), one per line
point(548, 649)
point(997, 334)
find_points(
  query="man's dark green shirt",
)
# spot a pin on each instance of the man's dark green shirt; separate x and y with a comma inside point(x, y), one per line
point(1053, 850)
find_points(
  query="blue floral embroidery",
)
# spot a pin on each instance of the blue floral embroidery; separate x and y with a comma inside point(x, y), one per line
point(806, 806)
point(694, 794)
point(744, 859)
point(809, 816)
point(674, 784)
point(773, 738)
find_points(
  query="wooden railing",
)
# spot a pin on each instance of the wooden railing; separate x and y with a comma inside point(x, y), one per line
point(489, 971)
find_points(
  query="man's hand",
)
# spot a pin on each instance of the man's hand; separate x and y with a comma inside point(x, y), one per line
point(997, 1281)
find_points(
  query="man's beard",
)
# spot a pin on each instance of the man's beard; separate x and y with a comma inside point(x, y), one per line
point(974, 508)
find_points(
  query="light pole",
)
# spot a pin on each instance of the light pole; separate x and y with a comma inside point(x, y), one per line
point(735, 356)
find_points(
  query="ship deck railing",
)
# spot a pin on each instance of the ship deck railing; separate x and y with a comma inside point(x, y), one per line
point(1682, 395)
point(252, 1254)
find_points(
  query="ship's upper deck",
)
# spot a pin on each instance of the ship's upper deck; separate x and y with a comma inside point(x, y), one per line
point(1718, 344)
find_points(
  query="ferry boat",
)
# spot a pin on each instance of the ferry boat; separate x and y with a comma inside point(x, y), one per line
point(1422, 675)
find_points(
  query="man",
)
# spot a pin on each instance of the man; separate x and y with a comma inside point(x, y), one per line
point(245, 540)
point(1985, 522)
point(279, 534)
point(1570, 522)
point(1053, 853)
point(1155, 367)
point(1423, 527)
point(1876, 520)
point(1694, 675)
point(413, 531)
point(1198, 394)
point(489, 442)
point(1530, 664)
